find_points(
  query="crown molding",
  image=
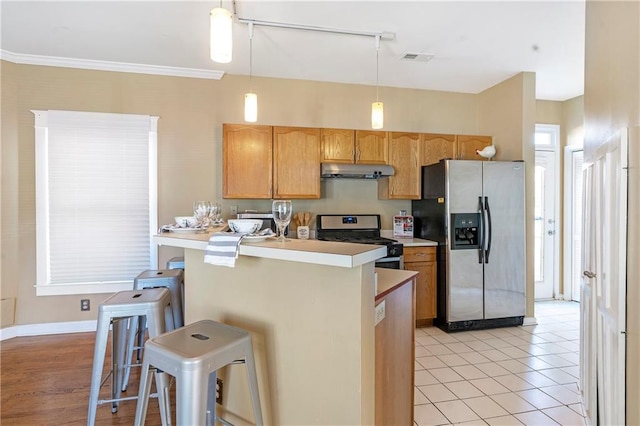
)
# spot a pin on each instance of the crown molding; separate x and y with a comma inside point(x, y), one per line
point(90, 64)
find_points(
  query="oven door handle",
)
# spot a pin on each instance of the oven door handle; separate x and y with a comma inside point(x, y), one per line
point(399, 260)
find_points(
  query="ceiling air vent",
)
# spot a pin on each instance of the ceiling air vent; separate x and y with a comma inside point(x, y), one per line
point(416, 57)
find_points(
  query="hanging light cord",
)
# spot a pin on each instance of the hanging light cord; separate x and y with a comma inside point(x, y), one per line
point(250, 54)
point(377, 66)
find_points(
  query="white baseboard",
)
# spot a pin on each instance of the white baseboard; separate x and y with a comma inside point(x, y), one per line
point(530, 321)
point(47, 328)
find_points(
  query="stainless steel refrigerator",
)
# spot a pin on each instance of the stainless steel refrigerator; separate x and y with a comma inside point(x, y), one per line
point(475, 210)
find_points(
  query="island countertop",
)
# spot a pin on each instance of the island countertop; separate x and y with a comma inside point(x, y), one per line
point(346, 255)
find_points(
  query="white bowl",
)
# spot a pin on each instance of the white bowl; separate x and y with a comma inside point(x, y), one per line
point(245, 226)
point(186, 221)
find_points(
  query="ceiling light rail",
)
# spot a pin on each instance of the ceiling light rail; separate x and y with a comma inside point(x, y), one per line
point(384, 35)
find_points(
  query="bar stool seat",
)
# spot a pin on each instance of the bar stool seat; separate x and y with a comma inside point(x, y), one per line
point(117, 310)
point(192, 354)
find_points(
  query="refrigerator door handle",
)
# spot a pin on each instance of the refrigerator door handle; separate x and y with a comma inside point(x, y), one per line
point(490, 226)
point(481, 233)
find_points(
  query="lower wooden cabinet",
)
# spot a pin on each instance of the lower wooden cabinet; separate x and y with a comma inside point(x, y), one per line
point(423, 261)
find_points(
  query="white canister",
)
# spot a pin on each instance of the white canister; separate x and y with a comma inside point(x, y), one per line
point(303, 232)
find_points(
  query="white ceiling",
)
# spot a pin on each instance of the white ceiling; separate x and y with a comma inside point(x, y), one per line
point(476, 43)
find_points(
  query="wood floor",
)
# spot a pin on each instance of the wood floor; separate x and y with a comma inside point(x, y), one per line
point(45, 380)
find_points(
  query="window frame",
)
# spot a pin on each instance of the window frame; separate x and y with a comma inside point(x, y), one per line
point(43, 286)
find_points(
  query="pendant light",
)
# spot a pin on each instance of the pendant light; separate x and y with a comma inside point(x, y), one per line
point(221, 45)
point(250, 99)
point(377, 110)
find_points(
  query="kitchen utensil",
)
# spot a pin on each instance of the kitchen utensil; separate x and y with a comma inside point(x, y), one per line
point(303, 232)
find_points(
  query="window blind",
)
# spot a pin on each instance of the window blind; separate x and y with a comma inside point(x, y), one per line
point(99, 197)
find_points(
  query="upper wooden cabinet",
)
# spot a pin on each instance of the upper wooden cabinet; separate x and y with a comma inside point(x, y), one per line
point(270, 162)
point(403, 156)
point(296, 159)
point(466, 146)
point(435, 147)
point(284, 162)
point(371, 147)
point(354, 146)
point(338, 146)
point(247, 151)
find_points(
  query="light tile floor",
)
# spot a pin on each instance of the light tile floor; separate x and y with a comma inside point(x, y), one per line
point(504, 376)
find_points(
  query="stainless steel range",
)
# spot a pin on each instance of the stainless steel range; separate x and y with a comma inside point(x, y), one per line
point(361, 229)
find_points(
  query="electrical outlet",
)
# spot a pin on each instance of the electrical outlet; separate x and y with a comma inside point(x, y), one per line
point(85, 305)
point(219, 384)
point(380, 311)
point(234, 211)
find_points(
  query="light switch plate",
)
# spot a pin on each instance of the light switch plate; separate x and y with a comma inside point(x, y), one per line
point(380, 311)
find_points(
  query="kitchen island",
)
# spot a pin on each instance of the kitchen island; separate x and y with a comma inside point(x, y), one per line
point(309, 306)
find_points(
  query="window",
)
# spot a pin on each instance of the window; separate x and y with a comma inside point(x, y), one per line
point(96, 197)
point(547, 137)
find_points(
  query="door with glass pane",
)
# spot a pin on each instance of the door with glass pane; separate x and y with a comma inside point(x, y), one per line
point(545, 225)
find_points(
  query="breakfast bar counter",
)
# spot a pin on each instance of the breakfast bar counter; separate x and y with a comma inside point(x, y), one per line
point(309, 306)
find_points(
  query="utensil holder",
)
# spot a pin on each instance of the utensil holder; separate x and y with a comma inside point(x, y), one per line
point(303, 232)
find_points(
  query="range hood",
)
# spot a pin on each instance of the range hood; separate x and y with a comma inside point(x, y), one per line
point(355, 171)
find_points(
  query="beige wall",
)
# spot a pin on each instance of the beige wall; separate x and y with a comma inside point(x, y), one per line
point(548, 112)
point(573, 121)
point(612, 102)
point(191, 114)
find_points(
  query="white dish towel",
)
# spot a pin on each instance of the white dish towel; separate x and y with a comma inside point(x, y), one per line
point(223, 248)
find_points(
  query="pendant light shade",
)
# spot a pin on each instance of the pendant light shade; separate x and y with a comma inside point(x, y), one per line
point(377, 115)
point(250, 107)
point(221, 37)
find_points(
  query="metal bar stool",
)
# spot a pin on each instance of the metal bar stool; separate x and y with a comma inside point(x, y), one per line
point(192, 354)
point(117, 310)
point(171, 279)
point(175, 263)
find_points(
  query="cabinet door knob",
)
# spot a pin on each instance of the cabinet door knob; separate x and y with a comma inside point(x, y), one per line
point(589, 274)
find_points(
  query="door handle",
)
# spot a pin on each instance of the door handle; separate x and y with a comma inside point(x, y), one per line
point(488, 223)
point(589, 274)
point(551, 232)
point(481, 231)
